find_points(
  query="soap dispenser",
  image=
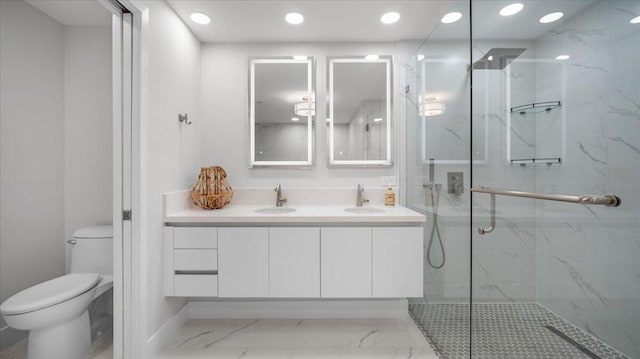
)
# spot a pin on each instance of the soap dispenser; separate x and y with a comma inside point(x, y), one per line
point(389, 197)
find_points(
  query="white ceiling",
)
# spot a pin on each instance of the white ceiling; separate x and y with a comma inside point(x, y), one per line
point(74, 12)
point(489, 25)
point(325, 20)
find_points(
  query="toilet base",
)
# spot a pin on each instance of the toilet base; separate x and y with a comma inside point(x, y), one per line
point(70, 340)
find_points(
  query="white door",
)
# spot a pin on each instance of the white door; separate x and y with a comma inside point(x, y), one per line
point(294, 262)
point(127, 331)
point(345, 262)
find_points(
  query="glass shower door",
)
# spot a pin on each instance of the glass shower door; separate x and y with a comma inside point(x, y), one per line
point(560, 104)
point(438, 176)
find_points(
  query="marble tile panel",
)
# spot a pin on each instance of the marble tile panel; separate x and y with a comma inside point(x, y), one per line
point(290, 338)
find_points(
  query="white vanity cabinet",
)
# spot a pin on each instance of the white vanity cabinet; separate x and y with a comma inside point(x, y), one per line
point(396, 257)
point(346, 262)
point(294, 262)
point(244, 262)
point(191, 261)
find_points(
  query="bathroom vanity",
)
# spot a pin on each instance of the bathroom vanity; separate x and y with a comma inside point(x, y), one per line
point(310, 251)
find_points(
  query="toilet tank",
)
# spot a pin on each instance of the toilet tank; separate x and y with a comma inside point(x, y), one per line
point(92, 250)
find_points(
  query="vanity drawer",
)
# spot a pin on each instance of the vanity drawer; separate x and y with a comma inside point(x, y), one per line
point(195, 237)
point(195, 259)
point(196, 285)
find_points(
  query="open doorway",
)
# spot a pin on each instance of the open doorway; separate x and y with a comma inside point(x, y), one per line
point(66, 116)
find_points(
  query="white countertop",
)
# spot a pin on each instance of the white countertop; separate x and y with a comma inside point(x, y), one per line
point(303, 214)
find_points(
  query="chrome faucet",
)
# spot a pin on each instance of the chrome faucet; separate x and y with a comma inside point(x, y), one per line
point(360, 200)
point(279, 199)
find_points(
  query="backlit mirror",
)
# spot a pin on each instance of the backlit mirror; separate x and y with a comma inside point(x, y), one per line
point(281, 111)
point(359, 110)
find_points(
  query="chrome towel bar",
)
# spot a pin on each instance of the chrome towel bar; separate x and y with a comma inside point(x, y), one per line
point(608, 200)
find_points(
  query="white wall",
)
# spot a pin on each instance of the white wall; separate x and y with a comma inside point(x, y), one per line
point(226, 127)
point(88, 128)
point(171, 151)
point(32, 149)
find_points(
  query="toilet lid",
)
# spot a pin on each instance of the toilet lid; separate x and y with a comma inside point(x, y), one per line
point(49, 293)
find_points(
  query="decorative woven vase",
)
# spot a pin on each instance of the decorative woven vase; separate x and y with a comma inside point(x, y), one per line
point(212, 191)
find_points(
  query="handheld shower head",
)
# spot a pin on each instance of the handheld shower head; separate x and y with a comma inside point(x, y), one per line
point(432, 165)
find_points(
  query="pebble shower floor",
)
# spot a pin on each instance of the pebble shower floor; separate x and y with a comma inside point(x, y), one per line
point(505, 331)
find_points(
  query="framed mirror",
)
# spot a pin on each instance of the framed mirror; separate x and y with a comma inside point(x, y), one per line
point(359, 110)
point(281, 111)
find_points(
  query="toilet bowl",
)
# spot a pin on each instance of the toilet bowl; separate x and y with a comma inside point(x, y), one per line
point(55, 312)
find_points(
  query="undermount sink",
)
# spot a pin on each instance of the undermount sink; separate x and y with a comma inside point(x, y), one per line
point(275, 210)
point(364, 210)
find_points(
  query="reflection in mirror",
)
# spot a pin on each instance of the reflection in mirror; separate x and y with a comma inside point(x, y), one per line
point(442, 105)
point(281, 110)
point(359, 114)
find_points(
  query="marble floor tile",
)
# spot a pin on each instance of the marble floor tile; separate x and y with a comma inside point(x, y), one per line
point(16, 351)
point(101, 350)
point(308, 338)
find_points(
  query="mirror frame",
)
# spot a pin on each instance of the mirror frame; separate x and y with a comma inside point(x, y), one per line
point(310, 61)
point(386, 59)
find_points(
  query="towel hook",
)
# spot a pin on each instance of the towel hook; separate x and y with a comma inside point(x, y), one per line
point(184, 118)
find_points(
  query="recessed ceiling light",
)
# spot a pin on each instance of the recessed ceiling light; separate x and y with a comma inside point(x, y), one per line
point(635, 20)
point(300, 57)
point(377, 119)
point(371, 57)
point(511, 9)
point(562, 57)
point(390, 17)
point(294, 119)
point(451, 17)
point(420, 57)
point(554, 16)
point(294, 18)
point(200, 18)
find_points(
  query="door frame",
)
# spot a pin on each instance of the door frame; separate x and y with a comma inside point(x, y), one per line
point(128, 334)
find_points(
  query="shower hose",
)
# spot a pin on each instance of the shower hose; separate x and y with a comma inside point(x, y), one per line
point(435, 231)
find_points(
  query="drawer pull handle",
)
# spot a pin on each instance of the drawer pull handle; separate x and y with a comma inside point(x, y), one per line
point(196, 272)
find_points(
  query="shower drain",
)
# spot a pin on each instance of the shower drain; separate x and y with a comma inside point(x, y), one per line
point(577, 345)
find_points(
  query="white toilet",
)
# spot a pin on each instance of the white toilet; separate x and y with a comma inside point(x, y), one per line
point(56, 312)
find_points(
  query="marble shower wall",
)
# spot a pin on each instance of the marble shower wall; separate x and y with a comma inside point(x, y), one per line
point(588, 270)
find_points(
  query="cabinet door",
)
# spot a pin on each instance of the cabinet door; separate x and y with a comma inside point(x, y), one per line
point(243, 262)
point(345, 262)
point(397, 262)
point(294, 262)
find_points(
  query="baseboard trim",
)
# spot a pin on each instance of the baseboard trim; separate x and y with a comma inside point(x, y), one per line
point(10, 336)
point(168, 330)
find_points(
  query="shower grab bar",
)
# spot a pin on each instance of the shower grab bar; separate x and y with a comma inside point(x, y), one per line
point(608, 200)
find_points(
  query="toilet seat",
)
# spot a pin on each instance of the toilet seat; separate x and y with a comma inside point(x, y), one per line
point(50, 293)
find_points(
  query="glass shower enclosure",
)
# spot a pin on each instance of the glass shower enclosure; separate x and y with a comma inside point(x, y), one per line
point(523, 150)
